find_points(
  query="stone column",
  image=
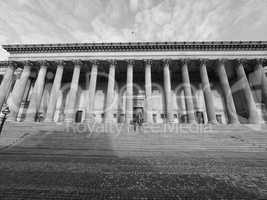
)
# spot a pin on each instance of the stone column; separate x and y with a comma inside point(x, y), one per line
point(37, 93)
point(70, 107)
point(188, 93)
point(6, 83)
point(262, 80)
point(168, 92)
point(54, 92)
point(110, 93)
point(18, 92)
point(207, 93)
point(233, 118)
point(148, 89)
point(252, 109)
point(91, 92)
point(129, 93)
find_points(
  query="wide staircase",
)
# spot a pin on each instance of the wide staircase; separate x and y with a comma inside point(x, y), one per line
point(160, 139)
point(74, 161)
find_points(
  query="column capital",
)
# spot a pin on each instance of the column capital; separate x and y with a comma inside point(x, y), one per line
point(166, 61)
point(241, 61)
point(148, 61)
point(259, 61)
point(112, 62)
point(44, 63)
point(204, 61)
point(18, 72)
point(130, 62)
point(184, 61)
point(94, 62)
point(27, 63)
point(60, 62)
point(77, 62)
point(221, 61)
point(12, 64)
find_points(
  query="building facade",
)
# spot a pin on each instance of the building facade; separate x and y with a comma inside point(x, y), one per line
point(176, 82)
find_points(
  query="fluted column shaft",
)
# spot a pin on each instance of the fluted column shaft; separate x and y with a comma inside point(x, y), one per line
point(207, 94)
point(233, 118)
point(36, 95)
point(54, 93)
point(6, 83)
point(148, 89)
point(168, 94)
point(188, 93)
point(70, 108)
point(91, 92)
point(129, 93)
point(262, 79)
point(252, 109)
point(110, 93)
point(18, 92)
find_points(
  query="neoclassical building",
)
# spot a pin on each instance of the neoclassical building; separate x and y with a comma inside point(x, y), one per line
point(175, 82)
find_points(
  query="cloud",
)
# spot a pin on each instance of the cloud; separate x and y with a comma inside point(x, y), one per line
point(59, 21)
point(133, 5)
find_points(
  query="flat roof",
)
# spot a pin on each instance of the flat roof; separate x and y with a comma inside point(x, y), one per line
point(138, 46)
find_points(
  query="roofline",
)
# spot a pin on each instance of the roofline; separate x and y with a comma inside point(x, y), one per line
point(138, 46)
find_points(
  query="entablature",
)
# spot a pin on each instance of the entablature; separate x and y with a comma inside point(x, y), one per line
point(138, 47)
point(141, 55)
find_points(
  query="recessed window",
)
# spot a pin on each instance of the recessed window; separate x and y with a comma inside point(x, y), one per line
point(154, 118)
point(184, 118)
point(78, 117)
point(199, 117)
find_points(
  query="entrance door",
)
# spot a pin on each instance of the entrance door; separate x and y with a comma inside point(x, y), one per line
point(199, 117)
point(138, 111)
point(78, 117)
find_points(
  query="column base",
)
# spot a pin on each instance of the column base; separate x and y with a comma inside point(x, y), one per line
point(254, 121)
point(11, 119)
point(170, 122)
point(235, 122)
point(149, 122)
point(29, 118)
point(69, 121)
point(192, 122)
point(48, 120)
point(213, 122)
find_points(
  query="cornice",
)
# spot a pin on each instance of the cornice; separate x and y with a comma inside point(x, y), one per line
point(138, 46)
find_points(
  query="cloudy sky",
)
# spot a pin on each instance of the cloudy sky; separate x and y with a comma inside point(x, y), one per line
point(57, 21)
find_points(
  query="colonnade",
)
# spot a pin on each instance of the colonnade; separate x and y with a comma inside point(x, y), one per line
point(17, 93)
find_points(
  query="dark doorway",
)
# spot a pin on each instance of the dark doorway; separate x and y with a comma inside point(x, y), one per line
point(184, 118)
point(219, 119)
point(78, 117)
point(200, 117)
point(138, 111)
point(155, 118)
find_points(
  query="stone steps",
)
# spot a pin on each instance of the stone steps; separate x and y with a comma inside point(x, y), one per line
point(52, 127)
point(52, 137)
